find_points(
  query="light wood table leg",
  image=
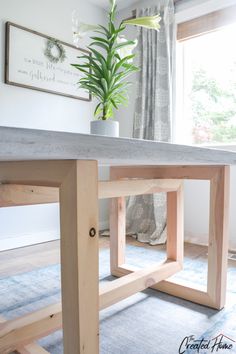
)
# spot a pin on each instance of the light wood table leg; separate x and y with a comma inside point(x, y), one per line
point(78, 185)
point(218, 176)
point(175, 225)
point(218, 237)
point(79, 258)
point(117, 233)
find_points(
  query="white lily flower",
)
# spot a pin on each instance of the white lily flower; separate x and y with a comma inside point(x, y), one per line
point(83, 28)
point(126, 50)
point(80, 29)
point(150, 22)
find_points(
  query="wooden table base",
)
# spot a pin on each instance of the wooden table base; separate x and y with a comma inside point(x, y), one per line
point(35, 182)
point(218, 229)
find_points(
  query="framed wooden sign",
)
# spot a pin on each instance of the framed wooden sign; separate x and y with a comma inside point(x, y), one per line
point(39, 62)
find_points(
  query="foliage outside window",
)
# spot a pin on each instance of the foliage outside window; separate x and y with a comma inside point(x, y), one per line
point(210, 86)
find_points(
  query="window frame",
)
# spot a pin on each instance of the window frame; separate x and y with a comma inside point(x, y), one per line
point(206, 23)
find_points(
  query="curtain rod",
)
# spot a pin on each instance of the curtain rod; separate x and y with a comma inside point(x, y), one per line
point(134, 13)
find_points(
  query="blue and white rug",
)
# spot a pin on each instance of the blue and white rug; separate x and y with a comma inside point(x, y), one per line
point(149, 322)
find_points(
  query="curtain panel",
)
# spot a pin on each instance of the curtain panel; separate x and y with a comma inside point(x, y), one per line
point(146, 215)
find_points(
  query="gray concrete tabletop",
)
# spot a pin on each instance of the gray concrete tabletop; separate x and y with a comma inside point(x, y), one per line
point(18, 144)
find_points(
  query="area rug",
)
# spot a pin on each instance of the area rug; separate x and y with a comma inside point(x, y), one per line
point(149, 322)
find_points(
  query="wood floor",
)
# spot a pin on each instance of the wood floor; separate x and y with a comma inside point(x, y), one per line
point(29, 258)
point(37, 256)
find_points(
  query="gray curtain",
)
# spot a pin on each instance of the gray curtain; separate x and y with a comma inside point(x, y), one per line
point(146, 215)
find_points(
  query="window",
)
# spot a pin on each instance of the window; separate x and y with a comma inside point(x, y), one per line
point(206, 82)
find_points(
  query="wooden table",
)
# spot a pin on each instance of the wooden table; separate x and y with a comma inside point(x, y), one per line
point(35, 165)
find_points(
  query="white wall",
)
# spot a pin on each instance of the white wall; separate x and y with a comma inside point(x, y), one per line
point(32, 109)
point(196, 192)
point(21, 107)
point(197, 211)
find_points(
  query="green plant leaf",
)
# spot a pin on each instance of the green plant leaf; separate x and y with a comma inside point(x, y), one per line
point(91, 89)
point(104, 84)
point(98, 55)
point(99, 39)
point(106, 32)
point(83, 57)
point(95, 67)
point(97, 111)
point(122, 62)
point(131, 67)
point(114, 104)
point(120, 29)
point(98, 44)
point(124, 44)
point(112, 28)
point(78, 66)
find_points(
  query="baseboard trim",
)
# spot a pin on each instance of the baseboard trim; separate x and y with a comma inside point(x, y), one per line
point(202, 240)
point(24, 240)
point(27, 240)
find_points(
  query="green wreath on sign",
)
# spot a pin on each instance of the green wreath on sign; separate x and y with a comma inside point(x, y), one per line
point(51, 45)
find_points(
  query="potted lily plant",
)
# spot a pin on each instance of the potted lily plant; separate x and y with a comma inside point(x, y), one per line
point(111, 62)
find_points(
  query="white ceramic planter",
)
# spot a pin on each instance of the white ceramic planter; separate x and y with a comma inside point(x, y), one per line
point(105, 127)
